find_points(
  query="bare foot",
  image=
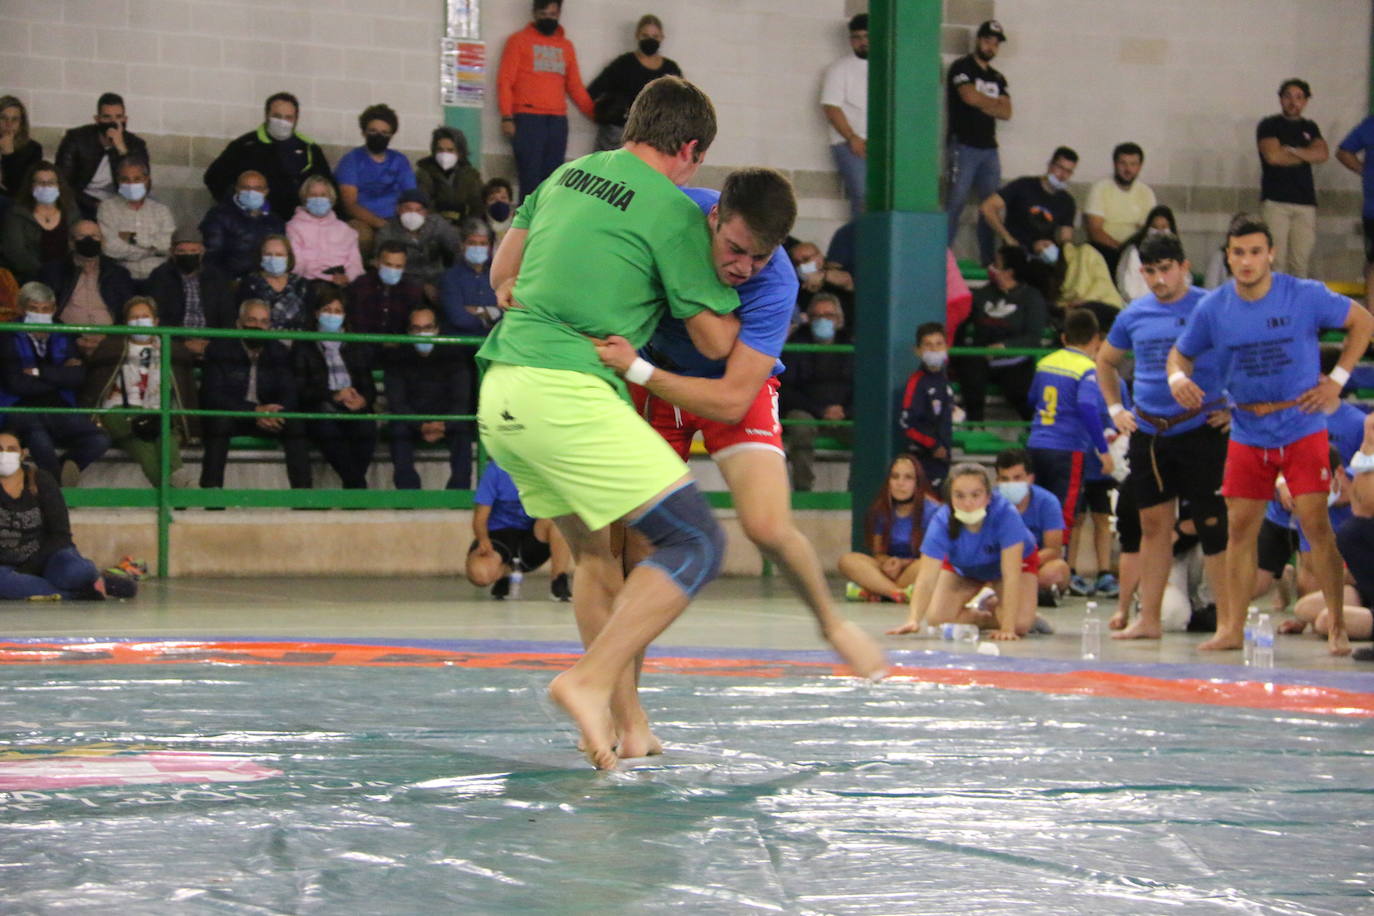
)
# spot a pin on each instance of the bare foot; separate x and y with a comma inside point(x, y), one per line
point(592, 715)
point(1140, 630)
point(1292, 625)
point(1118, 621)
point(639, 742)
point(1222, 642)
point(859, 651)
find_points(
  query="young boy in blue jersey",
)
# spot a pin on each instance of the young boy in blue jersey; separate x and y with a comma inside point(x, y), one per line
point(1269, 324)
point(1044, 518)
point(927, 417)
point(506, 539)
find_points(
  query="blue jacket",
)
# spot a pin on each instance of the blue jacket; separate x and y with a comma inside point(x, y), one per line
point(55, 385)
point(233, 238)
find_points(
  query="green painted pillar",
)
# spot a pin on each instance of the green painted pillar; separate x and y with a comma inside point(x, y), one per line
point(902, 237)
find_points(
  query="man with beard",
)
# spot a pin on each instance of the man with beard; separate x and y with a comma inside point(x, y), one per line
point(844, 101)
point(1117, 206)
point(977, 99)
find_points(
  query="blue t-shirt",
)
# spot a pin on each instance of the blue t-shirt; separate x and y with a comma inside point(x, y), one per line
point(1361, 139)
point(766, 302)
point(497, 490)
point(1273, 352)
point(978, 554)
point(1059, 421)
point(1043, 513)
point(1150, 328)
point(901, 541)
point(379, 184)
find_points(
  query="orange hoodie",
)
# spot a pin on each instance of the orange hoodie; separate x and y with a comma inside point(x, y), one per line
point(535, 74)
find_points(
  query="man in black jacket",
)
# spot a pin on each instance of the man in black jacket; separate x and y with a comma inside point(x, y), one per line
point(111, 284)
point(425, 379)
point(816, 386)
point(89, 156)
point(233, 230)
point(191, 293)
point(250, 375)
point(282, 154)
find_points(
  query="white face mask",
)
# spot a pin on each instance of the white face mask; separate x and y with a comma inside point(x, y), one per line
point(971, 517)
point(141, 323)
point(10, 462)
point(280, 128)
point(412, 220)
point(446, 160)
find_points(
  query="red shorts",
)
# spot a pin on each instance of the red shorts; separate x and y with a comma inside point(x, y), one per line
point(758, 429)
point(1029, 564)
point(1305, 465)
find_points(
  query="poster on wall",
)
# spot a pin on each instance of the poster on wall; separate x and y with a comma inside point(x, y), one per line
point(463, 18)
point(462, 72)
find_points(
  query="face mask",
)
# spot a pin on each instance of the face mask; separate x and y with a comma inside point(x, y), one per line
point(87, 247)
point(1055, 183)
point(389, 276)
point(648, 46)
point(280, 128)
point(935, 359)
point(973, 517)
point(329, 322)
point(1050, 254)
point(141, 323)
point(424, 349)
point(274, 264)
point(807, 268)
point(823, 328)
point(377, 143)
point(476, 255)
point(187, 263)
point(499, 211)
point(1013, 491)
point(46, 194)
point(1152, 232)
point(250, 200)
point(546, 26)
point(38, 317)
point(10, 463)
point(318, 206)
point(412, 220)
point(446, 160)
point(133, 192)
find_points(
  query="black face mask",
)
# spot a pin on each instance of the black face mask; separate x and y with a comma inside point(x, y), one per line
point(861, 55)
point(499, 211)
point(648, 46)
point(87, 247)
point(253, 343)
point(377, 143)
point(186, 263)
point(546, 26)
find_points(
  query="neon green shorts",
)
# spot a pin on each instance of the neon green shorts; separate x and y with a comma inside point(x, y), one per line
point(572, 445)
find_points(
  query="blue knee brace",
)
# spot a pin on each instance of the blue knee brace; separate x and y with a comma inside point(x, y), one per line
point(689, 543)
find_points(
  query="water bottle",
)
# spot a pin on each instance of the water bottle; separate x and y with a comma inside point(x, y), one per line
point(1092, 633)
point(516, 577)
point(1262, 656)
point(959, 632)
point(1251, 618)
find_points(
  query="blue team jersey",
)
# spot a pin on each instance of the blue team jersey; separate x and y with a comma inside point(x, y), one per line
point(1150, 328)
point(1361, 140)
point(766, 303)
point(1272, 349)
point(497, 490)
point(1054, 396)
point(1043, 513)
point(978, 554)
point(901, 541)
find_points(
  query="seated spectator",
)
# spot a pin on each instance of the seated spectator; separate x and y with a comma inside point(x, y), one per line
point(191, 293)
point(37, 228)
point(125, 371)
point(498, 196)
point(894, 526)
point(448, 178)
point(18, 151)
point(465, 294)
point(1129, 281)
point(372, 177)
point(429, 241)
point(927, 416)
point(136, 230)
point(1079, 276)
point(816, 386)
point(44, 369)
point(326, 248)
point(1007, 312)
point(90, 287)
point(285, 293)
point(507, 540)
point(615, 87)
point(1117, 207)
point(1011, 211)
point(38, 559)
point(381, 300)
point(819, 276)
point(88, 158)
point(276, 150)
point(234, 228)
point(424, 379)
point(1043, 518)
point(336, 377)
point(250, 375)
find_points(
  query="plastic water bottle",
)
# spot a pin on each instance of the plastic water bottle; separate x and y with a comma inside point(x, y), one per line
point(1092, 633)
point(516, 577)
point(1263, 653)
point(1251, 619)
point(958, 632)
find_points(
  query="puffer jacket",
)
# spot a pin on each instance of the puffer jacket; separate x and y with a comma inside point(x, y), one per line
point(233, 239)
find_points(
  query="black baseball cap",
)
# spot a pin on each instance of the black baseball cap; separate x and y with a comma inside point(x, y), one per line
point(994, 28)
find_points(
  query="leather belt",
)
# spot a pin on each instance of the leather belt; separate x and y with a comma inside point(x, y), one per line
point(1265, 408)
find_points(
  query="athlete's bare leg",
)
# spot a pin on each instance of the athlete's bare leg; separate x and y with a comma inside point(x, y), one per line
point(866, 572)
point(1156, 557)
point(1243, 519)
point(560, 555)
point(1130, 584)
point(1324, 561)
point(952, 592)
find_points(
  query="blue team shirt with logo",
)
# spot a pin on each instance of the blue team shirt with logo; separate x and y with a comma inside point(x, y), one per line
point(1272, 349)
point(766, 303)
point(978, 554)
point(1043, 513)
point(1150, 328)
point(497, 490)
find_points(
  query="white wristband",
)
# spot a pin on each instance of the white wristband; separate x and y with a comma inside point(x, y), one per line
point(1116, 409)
point(640, 371)
point(1361, 463)
point(1340, 375)
point(1174, 378)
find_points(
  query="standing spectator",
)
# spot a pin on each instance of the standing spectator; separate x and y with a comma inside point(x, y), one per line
point(234, 228)
point(90, 287)
point(816, 386)
point(1129, 280)
point(844, 102)
point(43, 369)
point(1289, 145)
point(371, 177)
point(498, 197)
point(18, 151)
point(448, 178)
point(336, 377)
point(137, 230)
point(326, 248)
point(424, 379)
point(381, 300)
point(191, 293)
point(277, 151)
point(538, 69)
point(927, 416)
point(1118, 206)
point(250, 374)
point(1353, 153)
point(466, 298)
point(286, 294)
point(1012, 212)
point(89, 156)
point(429, 240)
point(976, 98)
point(1007, 312)
point(615, 88)
point(37, 228)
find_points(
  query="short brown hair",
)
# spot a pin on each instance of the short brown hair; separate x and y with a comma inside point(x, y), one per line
point(764, 199)
point(1080, 326)
point(140, 300)
point(669, 112)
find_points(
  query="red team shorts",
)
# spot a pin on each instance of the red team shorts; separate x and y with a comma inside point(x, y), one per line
point(1251, 470)
point(759, 428)
point(1029, 564)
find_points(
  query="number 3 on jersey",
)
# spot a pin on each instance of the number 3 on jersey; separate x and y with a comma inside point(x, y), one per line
point(1049, 400)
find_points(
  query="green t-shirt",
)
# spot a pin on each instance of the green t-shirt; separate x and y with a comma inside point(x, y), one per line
point(611, 243)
